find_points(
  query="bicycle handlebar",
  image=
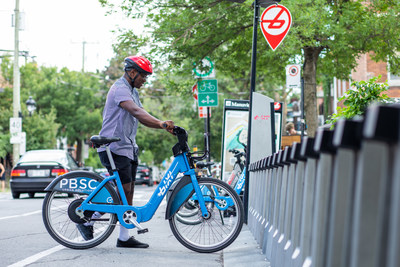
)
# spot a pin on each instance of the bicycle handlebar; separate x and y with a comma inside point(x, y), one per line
point(182, 145)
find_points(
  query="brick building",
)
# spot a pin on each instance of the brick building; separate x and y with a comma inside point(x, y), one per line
point(366, 69)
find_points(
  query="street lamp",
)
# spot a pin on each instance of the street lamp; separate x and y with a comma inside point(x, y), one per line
point(30, 105)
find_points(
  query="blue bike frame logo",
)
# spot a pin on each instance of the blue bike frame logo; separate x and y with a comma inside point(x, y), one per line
point(167, 182)
point(84, 185)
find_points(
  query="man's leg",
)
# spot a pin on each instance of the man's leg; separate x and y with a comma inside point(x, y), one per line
point(128, 190)
point(124, 240)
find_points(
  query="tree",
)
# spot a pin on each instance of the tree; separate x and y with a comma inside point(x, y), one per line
point(69, 105)
point(326, 36)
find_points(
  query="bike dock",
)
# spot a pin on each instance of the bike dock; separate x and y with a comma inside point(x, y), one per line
point(332, 200)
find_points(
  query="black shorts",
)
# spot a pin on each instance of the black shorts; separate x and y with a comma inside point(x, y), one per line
point(125, 166)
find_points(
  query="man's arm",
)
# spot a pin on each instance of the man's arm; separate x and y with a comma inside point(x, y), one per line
point(144, 117)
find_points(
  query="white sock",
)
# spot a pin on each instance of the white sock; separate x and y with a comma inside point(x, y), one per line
point(123, 233)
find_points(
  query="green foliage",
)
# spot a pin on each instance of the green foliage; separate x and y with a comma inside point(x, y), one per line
point(356, 101)
point(41, 130)
point(68, 104)
point(326, 36)
point(93, 160)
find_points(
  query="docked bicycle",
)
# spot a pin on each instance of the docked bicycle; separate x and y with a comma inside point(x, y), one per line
point(96, 202)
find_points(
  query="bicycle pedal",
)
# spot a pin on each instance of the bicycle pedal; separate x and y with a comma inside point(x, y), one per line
point(145, 230)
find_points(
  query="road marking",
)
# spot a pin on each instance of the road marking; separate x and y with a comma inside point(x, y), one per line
point(20, 215)
point(37, 257)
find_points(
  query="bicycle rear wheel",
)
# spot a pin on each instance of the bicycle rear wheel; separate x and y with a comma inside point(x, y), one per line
point(223, 225)
point(59, 216)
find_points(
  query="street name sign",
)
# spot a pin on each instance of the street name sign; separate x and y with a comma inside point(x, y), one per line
point(207, 93)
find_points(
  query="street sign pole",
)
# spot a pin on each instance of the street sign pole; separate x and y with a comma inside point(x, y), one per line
point(252, 90)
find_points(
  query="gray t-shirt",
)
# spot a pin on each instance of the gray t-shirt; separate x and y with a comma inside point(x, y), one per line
point(119, 122)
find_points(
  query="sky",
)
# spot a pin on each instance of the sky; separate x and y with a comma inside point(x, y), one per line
point(54, 32)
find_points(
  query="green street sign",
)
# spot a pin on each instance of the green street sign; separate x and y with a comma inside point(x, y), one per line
point(207, 93)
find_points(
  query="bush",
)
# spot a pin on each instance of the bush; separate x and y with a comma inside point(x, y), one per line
point(357, 100)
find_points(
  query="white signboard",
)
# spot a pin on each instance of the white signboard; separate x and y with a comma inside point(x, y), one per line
point(22, 146)
point(293, 75)
point(15, 125)
point(15, 138)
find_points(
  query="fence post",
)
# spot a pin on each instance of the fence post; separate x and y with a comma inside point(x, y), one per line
point(347, 139)
point(304, 250)
point(373, 183)
point(323, 145)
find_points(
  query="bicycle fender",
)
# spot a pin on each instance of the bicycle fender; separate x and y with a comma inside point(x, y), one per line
point(182, 191)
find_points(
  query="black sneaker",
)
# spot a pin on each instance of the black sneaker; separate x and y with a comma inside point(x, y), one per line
point(131, 243)
point(86, 231)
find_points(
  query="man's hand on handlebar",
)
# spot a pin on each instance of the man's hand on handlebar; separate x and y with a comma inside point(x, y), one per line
point(168, 125)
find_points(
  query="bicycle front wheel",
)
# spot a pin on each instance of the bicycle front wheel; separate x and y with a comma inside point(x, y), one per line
point(61, 220)
point(223, 225)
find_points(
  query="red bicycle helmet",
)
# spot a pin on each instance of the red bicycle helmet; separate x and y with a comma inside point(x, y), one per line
point(139, 63)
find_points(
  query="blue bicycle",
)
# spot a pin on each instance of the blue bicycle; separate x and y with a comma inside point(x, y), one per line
point(96, 202)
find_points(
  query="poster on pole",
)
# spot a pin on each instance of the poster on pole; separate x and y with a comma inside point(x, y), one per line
point(234, 133)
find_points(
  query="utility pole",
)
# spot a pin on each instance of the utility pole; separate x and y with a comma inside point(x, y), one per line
point(16, 85)
point(84, 43)
point(83, 56)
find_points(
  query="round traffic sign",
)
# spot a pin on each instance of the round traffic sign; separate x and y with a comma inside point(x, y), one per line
point(275, 24)
point(204, 73)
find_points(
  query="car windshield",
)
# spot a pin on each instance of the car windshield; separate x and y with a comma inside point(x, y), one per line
point(45, 155)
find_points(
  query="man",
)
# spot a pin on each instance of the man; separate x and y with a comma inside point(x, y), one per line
point(122, 113)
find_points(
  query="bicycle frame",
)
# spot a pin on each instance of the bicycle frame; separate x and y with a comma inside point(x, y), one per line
point(240, 183)
point(146, 212)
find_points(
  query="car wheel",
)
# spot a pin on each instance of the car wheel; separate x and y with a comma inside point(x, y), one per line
point(31, 195)
point(15, 195)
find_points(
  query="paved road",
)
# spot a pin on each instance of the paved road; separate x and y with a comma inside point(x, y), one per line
point(24, 241)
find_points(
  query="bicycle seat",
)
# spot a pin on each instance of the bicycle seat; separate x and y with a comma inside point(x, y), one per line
point(202, 164)
point(98, 140)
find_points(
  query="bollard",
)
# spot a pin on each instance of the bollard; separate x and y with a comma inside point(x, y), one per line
point(285, 206)
point(269, 203)
point(373, 182)
point(347, 139)
point(276, 172)
point(323, 145)
point(285, 245)
point(263, 197)
point(294, 240)
point(304, 250)
point(281, 205)
point(261, 192)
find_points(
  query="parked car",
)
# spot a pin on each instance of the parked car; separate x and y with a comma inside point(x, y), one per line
point(144, 175)
point(37, 168)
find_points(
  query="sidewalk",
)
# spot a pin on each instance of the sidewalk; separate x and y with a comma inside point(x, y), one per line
point(244, 251)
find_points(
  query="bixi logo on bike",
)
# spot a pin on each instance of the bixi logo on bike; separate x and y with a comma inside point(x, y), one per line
point(166, 185)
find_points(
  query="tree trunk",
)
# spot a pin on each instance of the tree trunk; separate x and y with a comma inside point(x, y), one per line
point(311, 55)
